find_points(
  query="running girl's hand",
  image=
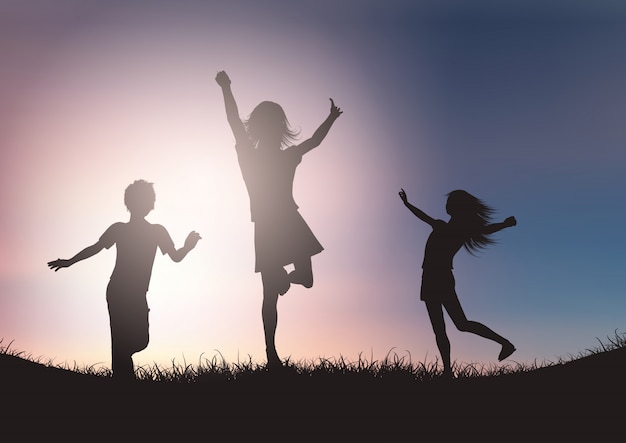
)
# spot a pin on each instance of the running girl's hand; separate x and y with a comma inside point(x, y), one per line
point(222, 79)
point(403, 195)
point(510, 221)
point(334, 110)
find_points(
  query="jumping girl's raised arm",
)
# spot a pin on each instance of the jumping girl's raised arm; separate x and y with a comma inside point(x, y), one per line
point(232, 112)
point(321, 132)
point(418, 212)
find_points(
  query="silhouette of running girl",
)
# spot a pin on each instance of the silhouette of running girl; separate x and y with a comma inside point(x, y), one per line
point(268, 162)
point(469, 226)
point(136, 243)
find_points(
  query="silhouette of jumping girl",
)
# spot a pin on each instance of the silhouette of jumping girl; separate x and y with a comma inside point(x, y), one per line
point(469, 226)
point(268, 160)
point(136, 243)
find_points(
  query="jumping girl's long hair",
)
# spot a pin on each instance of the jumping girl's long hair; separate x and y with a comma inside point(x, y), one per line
point(473, 214)
point(268, 122)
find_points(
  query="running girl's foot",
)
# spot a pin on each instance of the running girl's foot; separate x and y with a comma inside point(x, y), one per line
point(507, 350)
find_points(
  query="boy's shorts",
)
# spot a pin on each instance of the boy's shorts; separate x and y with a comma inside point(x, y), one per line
point(128, 317)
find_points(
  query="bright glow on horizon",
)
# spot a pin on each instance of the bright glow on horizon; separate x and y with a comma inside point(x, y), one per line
point(114, 107)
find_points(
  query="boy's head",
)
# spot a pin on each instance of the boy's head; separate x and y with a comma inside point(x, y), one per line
point(139, 197)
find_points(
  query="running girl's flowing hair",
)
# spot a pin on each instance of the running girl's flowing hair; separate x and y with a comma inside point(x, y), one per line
point(268, 120)
point(474, 214)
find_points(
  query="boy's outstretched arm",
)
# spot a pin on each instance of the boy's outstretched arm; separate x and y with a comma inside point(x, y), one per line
point(89, 251)
point(320, 133)
point(232, 111)
point(495, 227)
point(416, 211)
point(192, 239)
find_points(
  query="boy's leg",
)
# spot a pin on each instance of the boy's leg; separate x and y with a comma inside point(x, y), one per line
point(124, 341)
point(121, 361)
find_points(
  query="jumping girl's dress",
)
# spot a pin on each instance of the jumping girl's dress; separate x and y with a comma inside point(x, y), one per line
point(281, 235)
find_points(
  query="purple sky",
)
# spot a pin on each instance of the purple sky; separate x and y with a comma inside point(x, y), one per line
point(519, 103)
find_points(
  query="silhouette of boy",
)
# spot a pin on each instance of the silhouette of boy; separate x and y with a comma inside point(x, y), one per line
point(136, 243)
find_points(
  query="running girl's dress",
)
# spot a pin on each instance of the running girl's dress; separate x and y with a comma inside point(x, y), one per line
point(443, 243)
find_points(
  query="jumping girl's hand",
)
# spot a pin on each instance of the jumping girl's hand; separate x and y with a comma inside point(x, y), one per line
point(334, 110)
point(222, 79)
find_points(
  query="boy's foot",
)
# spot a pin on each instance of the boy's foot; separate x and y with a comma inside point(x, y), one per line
point(507, 350)
point(447, 375)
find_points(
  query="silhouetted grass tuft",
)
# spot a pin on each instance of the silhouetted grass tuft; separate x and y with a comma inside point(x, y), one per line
point(395, 367)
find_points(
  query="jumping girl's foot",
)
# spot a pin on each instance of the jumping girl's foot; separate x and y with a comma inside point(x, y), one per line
point(274, 362)
point(507, 350)
point(298, 279)
point(284, 283)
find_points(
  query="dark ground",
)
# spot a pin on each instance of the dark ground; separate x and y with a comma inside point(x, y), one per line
point(581, 400)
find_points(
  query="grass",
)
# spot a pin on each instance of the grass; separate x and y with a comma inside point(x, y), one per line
point(394, 399)
point(217, 369)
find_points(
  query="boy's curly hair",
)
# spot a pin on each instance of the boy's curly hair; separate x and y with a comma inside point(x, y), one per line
point(140, 196)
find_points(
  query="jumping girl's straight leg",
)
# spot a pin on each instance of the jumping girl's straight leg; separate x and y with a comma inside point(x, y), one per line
point(454, 309)
point(435, 312)
point(269, 313)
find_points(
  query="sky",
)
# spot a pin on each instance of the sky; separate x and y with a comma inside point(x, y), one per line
point(519, 103)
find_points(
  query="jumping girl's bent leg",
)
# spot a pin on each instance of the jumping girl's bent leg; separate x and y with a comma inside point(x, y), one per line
point(454, 309)
point(435, 313)
point(302, 273)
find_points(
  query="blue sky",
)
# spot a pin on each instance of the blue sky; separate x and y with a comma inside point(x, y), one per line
point(519, 103)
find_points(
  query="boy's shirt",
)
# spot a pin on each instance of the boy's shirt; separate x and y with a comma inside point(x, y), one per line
point(136, 245)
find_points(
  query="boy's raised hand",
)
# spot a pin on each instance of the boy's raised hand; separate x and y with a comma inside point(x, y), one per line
point(192, 240)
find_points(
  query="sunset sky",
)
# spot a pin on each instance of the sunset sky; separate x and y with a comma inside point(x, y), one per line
point(521, 103)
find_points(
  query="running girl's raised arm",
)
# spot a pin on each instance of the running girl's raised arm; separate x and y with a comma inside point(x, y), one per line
point(232, 112)
point(418, 212)
point(321, 132)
